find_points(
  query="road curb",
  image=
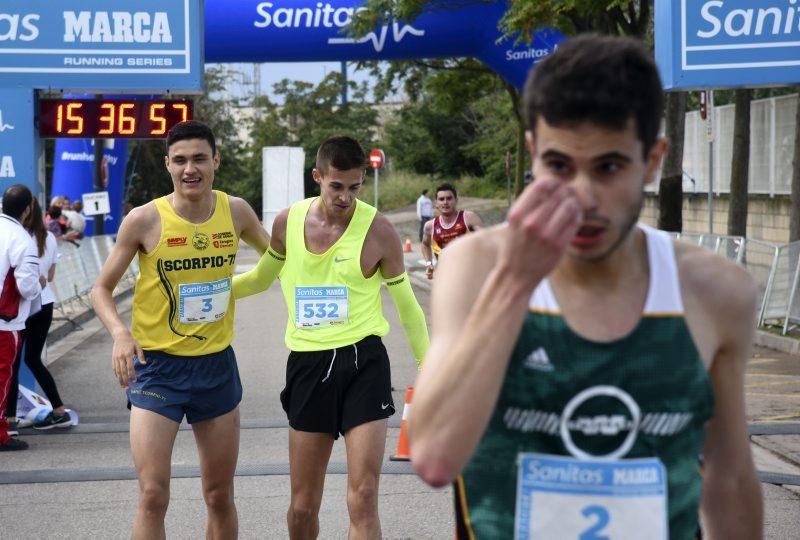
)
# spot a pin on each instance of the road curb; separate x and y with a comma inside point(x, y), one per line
point(769, 340)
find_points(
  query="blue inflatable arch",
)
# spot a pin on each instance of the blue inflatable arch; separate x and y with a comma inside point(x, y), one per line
point(316, 30)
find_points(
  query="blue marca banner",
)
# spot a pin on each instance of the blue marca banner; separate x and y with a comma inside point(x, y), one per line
point(316, 30)
point(73, 175)
point(727, 43)
point(147, 45)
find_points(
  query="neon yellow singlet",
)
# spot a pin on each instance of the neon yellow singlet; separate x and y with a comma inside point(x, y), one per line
point(330, 302)
point(182, 304)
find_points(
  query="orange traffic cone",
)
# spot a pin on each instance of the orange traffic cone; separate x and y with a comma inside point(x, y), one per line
point(402, 453)
point(407, 247)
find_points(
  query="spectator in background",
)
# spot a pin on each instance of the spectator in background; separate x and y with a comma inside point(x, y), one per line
point(76, 221)
point(59, 202)
point(19, 269)
point(37, 326)
point(57, 224)
point(53, 221)
point(424, 211)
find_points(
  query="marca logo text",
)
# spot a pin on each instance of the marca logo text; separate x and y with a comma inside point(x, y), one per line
point(92, 27)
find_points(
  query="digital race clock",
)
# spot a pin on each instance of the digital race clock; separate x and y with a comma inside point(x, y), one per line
point(111, 118)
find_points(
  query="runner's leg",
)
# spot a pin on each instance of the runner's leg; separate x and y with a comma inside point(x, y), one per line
point(365, 447)
point(152, 438)
point(218, 444)
point(308, 460)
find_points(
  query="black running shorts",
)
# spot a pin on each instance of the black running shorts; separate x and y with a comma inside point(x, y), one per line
point(335, 390)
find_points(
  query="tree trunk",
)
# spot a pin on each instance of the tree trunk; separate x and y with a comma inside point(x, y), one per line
point(740, 165)
point(519, 165)
point(670, 189)
point(521, 152)
point(794, 218)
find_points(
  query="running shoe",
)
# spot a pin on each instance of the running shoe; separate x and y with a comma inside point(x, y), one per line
point(54, 420)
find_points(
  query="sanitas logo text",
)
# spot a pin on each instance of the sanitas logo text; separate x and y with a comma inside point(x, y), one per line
point(327, 16)
point(324, 15)
point(764, 21)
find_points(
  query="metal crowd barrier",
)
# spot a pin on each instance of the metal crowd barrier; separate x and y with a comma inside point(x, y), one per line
point(77, 269)
point(775, 268)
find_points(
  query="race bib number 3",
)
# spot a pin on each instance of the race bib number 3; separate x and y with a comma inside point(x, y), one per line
point(204, 302)
point(562, 497)
point(319, 307)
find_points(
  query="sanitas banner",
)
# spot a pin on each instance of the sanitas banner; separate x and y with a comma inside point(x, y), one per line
point(317, 30)
point(727, 43)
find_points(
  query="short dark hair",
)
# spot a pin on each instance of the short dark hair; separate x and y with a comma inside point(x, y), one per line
point(604, 80)
point(191, 129)
point(16, 199)
point(54, 211)
point(341, 152)
point(447, 186)
point(425, 191)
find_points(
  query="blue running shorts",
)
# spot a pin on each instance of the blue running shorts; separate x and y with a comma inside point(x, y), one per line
point(200, 387)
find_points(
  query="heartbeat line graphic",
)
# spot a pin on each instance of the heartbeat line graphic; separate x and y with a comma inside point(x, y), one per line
point(398, 34)
point(4, 126)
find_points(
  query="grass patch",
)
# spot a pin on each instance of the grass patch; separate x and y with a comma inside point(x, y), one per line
point(401, 188)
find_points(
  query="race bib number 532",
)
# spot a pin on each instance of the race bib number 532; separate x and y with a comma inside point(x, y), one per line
point(319, 307)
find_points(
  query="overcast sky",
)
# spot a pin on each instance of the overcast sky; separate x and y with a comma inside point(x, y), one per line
point(271, 73)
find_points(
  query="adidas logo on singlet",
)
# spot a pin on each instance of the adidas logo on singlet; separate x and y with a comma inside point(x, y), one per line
point(539, 360)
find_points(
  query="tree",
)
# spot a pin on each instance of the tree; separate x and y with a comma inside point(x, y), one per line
point(149, 177)
point(523, 18)
point(740, 164)
point(670, 189)
point(309, 115)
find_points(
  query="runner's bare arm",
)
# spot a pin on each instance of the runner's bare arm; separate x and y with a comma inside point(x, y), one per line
point(479, 300)
point(247, 225)
point(129, 239)
point(427, 251)
point(472, 220)
point(731, 504)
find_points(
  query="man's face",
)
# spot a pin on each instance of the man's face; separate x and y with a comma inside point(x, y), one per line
point(607, 171)
point(338, 190)
point(191, 164)
point(446, 202)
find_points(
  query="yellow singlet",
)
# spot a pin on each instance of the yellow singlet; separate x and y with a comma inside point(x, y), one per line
point(330, 302)
point(182, 303)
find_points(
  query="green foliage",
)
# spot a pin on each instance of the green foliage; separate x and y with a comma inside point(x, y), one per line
point(495, 134)
point(395, 189)
point(310, 115)
point(428, 141)
point(149, 177)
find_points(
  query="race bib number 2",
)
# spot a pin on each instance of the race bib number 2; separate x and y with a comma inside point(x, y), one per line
point(204, 302)
point(319, 307)
point(563, 497)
